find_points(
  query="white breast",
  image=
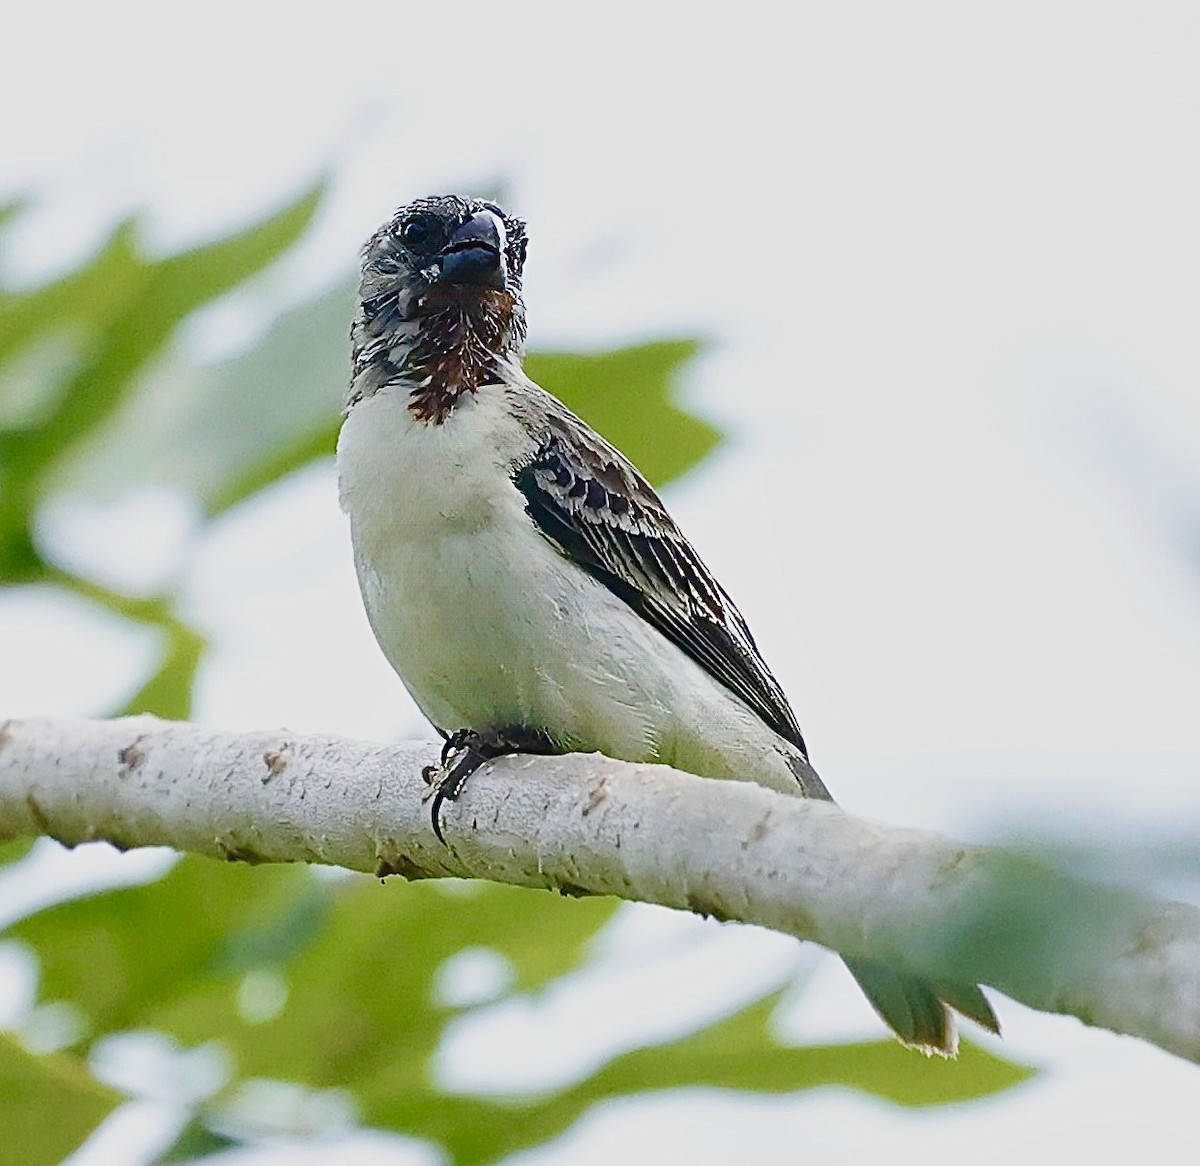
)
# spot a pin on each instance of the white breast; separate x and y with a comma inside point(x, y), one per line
point(405, 479)
point(484, 621)
point(488, 625)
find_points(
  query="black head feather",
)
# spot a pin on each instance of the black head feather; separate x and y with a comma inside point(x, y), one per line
point(440, 304)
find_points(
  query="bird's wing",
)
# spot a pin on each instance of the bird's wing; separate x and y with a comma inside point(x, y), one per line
point(591, 503)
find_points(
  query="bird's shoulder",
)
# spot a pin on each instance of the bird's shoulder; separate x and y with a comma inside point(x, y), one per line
point(584, 472)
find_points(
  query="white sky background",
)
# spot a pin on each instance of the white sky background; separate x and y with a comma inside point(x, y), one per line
point(948, 258)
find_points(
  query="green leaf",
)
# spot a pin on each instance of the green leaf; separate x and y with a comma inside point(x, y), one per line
point(115, 315)
point(168, 693)
point(120, 955)
point(10, 209)
point(279, 931)
point(361, 961)
point(165, 294)
point(72, 311)
point(50, 1104)
point(82, 302)
point(738, 1053)
point(361, 1010)
point(14, 849)
point(310, 446)
point(195, 1141)
point(171, 955)
point(361, 1015)
point(626, 395)
point(226, 430)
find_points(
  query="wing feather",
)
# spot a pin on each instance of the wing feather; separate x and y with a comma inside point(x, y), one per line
point(598, 511)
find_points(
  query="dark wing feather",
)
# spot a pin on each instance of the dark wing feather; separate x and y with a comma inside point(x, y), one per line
point(594, 506)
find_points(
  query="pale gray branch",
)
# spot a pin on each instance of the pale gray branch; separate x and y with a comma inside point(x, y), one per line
point(587, 824)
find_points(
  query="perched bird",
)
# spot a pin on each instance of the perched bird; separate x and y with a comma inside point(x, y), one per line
point(524, 579)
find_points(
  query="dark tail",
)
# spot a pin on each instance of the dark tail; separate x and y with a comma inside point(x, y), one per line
point(918, 1011)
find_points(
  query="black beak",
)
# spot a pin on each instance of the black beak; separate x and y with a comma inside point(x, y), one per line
point(475, 253)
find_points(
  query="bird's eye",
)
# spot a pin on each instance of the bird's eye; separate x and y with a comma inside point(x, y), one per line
point(414, 232)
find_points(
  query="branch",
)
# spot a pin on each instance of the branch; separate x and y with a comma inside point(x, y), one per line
point(584, 824)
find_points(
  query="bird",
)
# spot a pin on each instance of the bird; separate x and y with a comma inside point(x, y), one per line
point(524, 580)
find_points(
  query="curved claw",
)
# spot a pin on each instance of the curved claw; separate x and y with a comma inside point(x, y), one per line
point(465, 750)
point(451, 785)
point(439, 796)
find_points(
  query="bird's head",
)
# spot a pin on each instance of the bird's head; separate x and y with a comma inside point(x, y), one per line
point(439, 302)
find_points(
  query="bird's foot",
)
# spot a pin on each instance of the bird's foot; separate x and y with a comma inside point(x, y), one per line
point(464, 751)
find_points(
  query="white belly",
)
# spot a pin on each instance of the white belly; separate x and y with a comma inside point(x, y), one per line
point(486, 624)
point(490, 627)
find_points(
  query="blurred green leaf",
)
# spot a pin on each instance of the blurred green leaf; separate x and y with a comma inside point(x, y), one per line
point(350, 950)
point(361, 1010)
point(159, 295)
point(10, 209)
point(48, 1105)
point(225, 430)
point(80, 303)
point(361, 961)
point(195, 1141)
point(278, 931)
point(168, 693)
point(319, 442)
point(52, 327)
point(115, 313)
point(71, 356)
point(627, 396)
point(14, 849)
point(120, 954)
point(738, 1053)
